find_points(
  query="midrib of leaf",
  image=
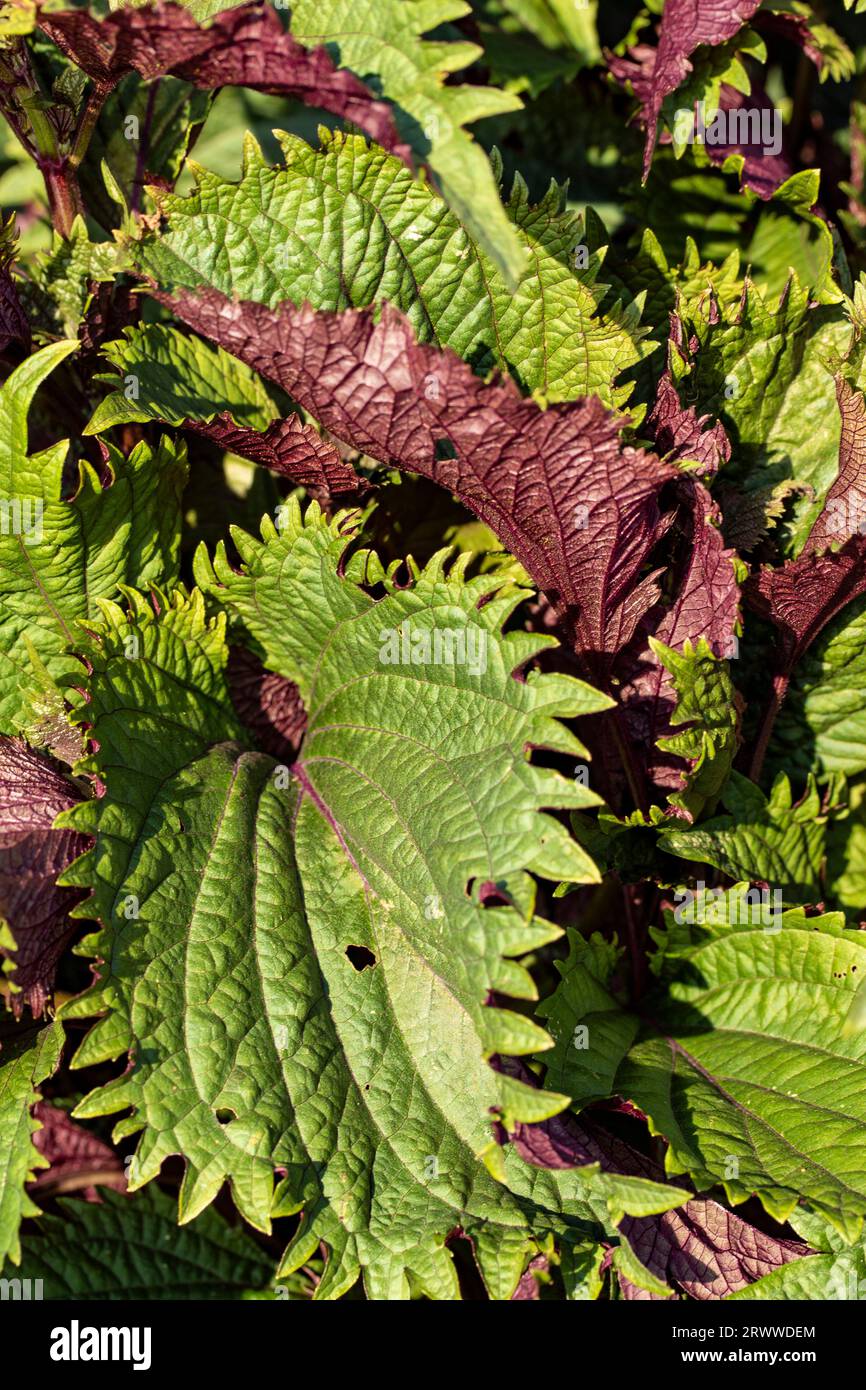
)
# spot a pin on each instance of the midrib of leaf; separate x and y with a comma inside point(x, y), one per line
point(494, 1198)
point(716, 1082)
point(246, 973)
point(481, 1210)
point(53, 610)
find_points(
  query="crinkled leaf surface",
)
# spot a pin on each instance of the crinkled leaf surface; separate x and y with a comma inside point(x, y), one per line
point(178, 378)
point(185, 382)
point(706, 1251)
point(697, 1248)
point(130, 1248)
point(775, 839)
point(33, 792)
point(763, 370)
point(704, 726)
point(381, 41)
point(821, 726)
point(318, 1004)
point(347, 226)
point(803, 595)
point(680, 433)
point(837, 1273)
point(685, 25)
point(742, 1055)
point(246, 46)
point(580, 510)
point(700, 612)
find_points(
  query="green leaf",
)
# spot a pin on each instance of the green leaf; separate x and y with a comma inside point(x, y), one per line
point(63, 278)
point(581, 1271)
point(772, 840)
point(712, 67)
point(28, 1057)
point(744, 1067)
point(835, 62)
point(663, 282)
point(172, 377)
point(768, 238)
point(766, 372)
point(58, 558)
point(541, 39)
point(707, 705)
point(314, 996)
point(143, 127)
point(821, 726)
point(846, 854)
point(591, 1030)
point(348, 226)
point(815, 1278)
point(130, 1248)
point(627, 1264)
point(381, 41)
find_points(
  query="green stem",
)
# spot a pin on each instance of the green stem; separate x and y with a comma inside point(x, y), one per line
point(87, 123)
point(43, 131)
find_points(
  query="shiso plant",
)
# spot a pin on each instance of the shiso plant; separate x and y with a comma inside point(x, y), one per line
point(433, 649)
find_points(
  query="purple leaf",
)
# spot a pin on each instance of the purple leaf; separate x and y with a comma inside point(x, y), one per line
point(762, 171)
point(580, 510)
point(803, 595)
point(245, 47)
point(14, 327)
point(528, 1290)
point(289, 447)
point(77, 1159)
point(269, 705)
point(707, 1251)
point(794, 28)
point(846, 498)
point(704, 603)
point(655, 73)
point(680, 434)
point(32, 795)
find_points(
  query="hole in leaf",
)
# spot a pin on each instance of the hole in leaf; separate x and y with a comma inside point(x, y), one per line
point(489, 894)
point(361, 958)
point(224, 1115)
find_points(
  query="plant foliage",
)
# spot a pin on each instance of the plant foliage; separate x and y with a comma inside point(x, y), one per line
point(432, 693)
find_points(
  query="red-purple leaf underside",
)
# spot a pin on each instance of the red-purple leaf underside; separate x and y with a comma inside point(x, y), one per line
point(802, 596)
point(269, 705)
point(78, 1160)
point(245, 47)
point(704, 603)
point(289, 447)
point(580, 510)
point(685, 25)
point(700, 1247)
point(32, 854)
